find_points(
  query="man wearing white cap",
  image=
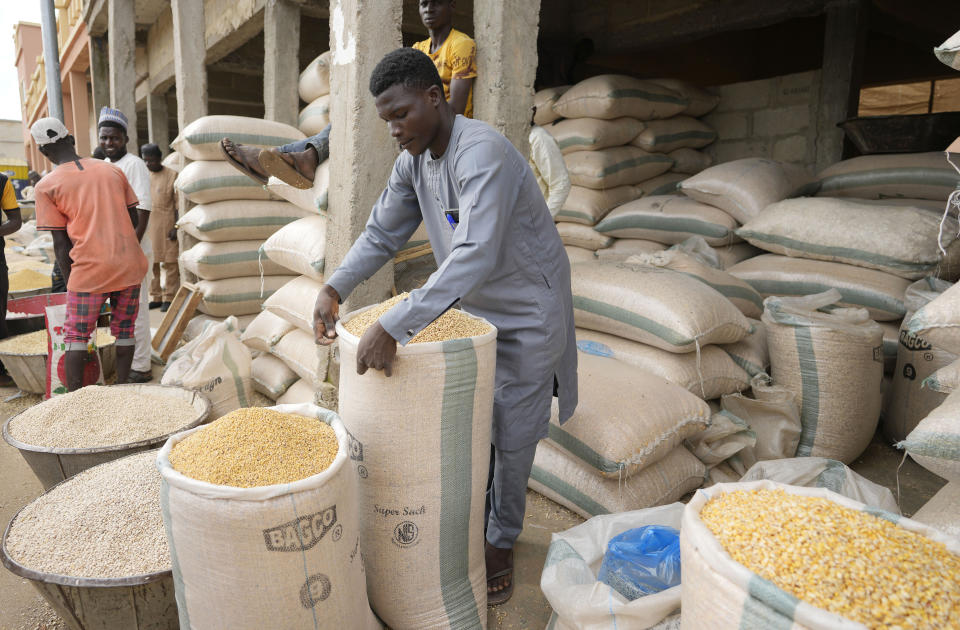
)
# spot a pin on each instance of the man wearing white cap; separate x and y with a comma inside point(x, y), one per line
point(112, 132)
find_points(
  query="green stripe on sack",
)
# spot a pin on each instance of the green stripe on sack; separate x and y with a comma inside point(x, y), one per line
point(237, 297)
point(582, 451)
point(226, 181)
point(630, 318)
point(231, 364)
point(559, 551)
point(227, 259)
point(220, 224)
point(456, 453)
point(241, 138)
point(731, 291)
point(851, 295)
point(832, 477)
point(767, 606)
point(582, 217)
point(573, 141)
point(810, 399)
point(684, 135)
point(633, 162)
point(662, 223)
point(665, 189)
point(751, 368)
point(567, 491)
point(179, 588)
point(900, 176)
point(647, 96)
point(938, 445)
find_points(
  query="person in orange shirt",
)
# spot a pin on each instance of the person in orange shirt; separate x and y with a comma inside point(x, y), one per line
point(91, 210)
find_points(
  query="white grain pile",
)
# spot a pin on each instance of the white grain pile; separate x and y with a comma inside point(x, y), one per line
point(103, 523)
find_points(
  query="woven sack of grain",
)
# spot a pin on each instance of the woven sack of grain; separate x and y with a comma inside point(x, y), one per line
point(217, 364)
point(722, 594)
point(897, 239)
point(587, 206)
point(299, 393)
point(945, 380)
point(578, 254)
point(664, 136)
point(271, 376)
point(247, 557)
point(689, 161)
point(200, 140)
point(730, 255)
point(909, 401)
point(666, 184)
point(237, 296)
point(311, 199)
point(300, 352)
point(315, 117)
point(726, 436)
point(623, 248)
point(881, 293)
point(659, 307)
point(942, 511)
point(265, 330)
point(669, 219)
point(294, 302)
point(709, 375)
point(700, 101)
point(584, 236)
point(935, 442)
point(215, 261)
point(773, 415)
point(173, 161)
point(745, 187)
point(751, 352)
point(438, 404)
point(576, 486)
point(617, 166)
point(238, 220)
point(910, 175)
point(543, 100)
point(833, 362)
point(208, 181)
point(939, 321)
point(299, 246)
point(593, 134)
point(55, 318)
point(611, 96)
point(41, 248)
point(315, 79)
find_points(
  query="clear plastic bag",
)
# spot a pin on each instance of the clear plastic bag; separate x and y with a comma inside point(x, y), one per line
point(642, 561)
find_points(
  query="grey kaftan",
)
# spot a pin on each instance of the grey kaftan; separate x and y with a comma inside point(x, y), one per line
point(504, 261)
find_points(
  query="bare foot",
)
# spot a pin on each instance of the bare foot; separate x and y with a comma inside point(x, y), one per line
point(499, 574)
point(245, 158)
point(306, 162)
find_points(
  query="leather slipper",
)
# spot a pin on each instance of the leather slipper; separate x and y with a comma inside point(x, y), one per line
point(278, 167)
point(241, 165)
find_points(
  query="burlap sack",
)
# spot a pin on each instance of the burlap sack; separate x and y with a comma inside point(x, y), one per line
point(700, 101)
point(729, 255)
point(939, 321)
point(833, 362)
point(303, 355)
point(584, 236)
point(314, 81)
point(881, 293)
point(299, 247)
point(942, 511)
point(910, 175)
point(271, 376)
point(664, 136)
point(623, 248)
point(239, 220)
point(610, 96)
point(669, 219)
point(587, 206)
point(576, 486)
point(666, 184)
point(659, 307)
point(773, 415)
point(294, 302)
point(232, 259)
point(543, 100)
point(264, 331)
point(315, 117)
point(200, 140)
point(751, 352)
point(578, 254)
point(312, 200)
point(237, 296)
point(945, 380)
point(593, 134)
point(709, 375)
point(900, 239)
point(617, 166)
point(935, 442)
point(423, 513)
point(209, 181)
point(689, 161)
point(276, 556)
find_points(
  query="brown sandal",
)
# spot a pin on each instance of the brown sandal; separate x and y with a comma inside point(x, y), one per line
point(272, 163)
point(502, 596)
point(241, 164)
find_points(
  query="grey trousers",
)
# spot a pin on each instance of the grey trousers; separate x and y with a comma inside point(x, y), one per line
point(507, 494)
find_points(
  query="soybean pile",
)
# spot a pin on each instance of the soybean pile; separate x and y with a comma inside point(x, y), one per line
point(36, 342)
point(848, 562)
point(453, 324)
point(253, 447)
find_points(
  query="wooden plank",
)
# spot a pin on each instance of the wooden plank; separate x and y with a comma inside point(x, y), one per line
point(171, 329)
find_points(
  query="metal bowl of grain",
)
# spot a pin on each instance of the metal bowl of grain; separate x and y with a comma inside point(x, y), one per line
point(25, 357)
point(67, 434)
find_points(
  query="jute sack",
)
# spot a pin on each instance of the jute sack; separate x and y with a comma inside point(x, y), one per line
point(949, 51)
point(208, 181)
point(217, 364)
point(689, 161)
point(721, 594)
point(623, 248)
point(729, 255)
point(610, 96)
point(238, 296)
point(315, 117)
point(593, 134)
point(617, 166)
point(576, 486)
point(312, 199)
point(745, 187)
point(669, 219)
point(726, 436)
point(751, 352)
point(214, 261)
point(285, 555)
point(200, 140)
point(587, 206)
point(238, 220)
point(666, 184)
point(939, 321)
point(173, 161)
point(935, 442)
point(881, 293)
point(910, 175)
point(303, 355)
point(294, 302)
point(942, 511)
point(578, 254)
point(900, 240)
point(265, 331)
point(709, 375)
point(271, 376)
point(909, 402)
point(299, 246)
point(543, 100)
point(425, 436)
point(773, 415)
point(315, 79)
point(626, 417)
point(664, 136)
point(833, 362)
point(659, 307)
point(584, 236)
point(945, 380)
point(701, 101)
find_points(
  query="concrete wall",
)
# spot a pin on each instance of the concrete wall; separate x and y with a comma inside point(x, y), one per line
point(774, 118)
point(11, 139)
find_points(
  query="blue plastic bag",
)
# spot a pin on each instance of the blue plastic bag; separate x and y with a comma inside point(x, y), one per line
point(642, 561)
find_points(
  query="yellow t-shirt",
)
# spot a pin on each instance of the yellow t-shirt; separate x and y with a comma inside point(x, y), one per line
point(8, 200)
point(455, 59)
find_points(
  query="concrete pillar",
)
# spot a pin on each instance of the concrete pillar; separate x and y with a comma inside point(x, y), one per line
point(503, 90)
point(361, 151)
point(158, 124)
point(79, 111)
point(99, 77)
point(281, 66)
point(121, 25)
point(189, 66)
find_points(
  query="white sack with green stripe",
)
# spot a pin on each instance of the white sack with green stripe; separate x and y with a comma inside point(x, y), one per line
point(285, 555)
point(611, 96)
point(543, 100)
point(423, 439)
point(901, 240)
point(173, 161)
point(700, 100)
point(881, 293)
point(587, 206)
point(299, 247)
point(751, 352)
point(905, 175)
point(209, 181)
point(217, 364)
point(833, 362)
point(311, 199)
point(664, 136)
point(576, 235)
point(271, 376)
point(593, 134)
point(200, 140)
point(232, 259)
point(935, 442)
point(264, 331)
point(315, 117)
point(617, 166)
point(689, 161)
point(942, 511)
point(314, 81)
point(239, 220)
point(237, 296)
point(298, 350)
point(669, 219)
point(659, 307)
point(729, 255)
point(294, 302)
point(939, 321)
point(666, 184)
point(623, 248)
point(945, 380)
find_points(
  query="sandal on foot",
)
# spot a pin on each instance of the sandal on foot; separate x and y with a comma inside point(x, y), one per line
point(241, 165)
point(275, 165)
point(501, 596)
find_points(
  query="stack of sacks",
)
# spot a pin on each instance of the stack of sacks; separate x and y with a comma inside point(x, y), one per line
point(234, 217)
point(314, 89)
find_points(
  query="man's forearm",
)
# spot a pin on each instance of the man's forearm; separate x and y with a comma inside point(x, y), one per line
point(143, 217)
point(61, 250)
point(12, 224)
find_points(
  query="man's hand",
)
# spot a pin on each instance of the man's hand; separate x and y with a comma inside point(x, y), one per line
point(326, 312)
point(172, 234)
point(377, 350)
